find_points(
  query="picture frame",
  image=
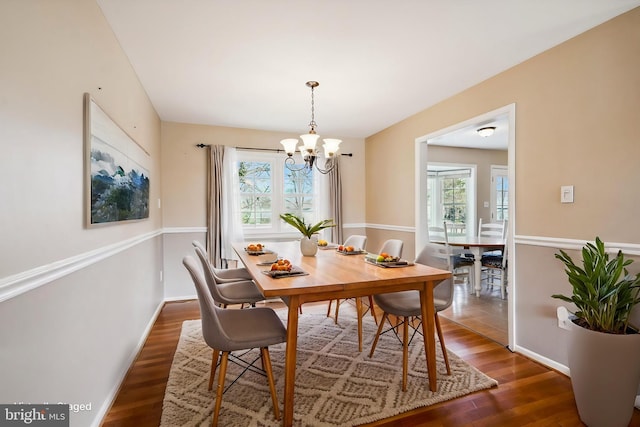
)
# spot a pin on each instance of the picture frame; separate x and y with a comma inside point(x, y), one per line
point(117, 179)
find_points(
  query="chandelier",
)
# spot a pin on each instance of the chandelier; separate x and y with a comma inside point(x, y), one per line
point(308, 147)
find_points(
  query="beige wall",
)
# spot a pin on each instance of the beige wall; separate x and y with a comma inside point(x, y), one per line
point(576, 124)
point(184, 188)
point(184, 169)
point(50, 58)
point(81, 305)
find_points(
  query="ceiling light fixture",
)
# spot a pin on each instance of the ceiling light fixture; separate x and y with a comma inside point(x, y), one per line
point(308, 147)
point(486, 131)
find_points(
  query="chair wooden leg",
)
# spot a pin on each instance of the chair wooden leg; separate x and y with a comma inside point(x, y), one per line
point(214, 364)
point(405, 353)
point(373, 312)
point(375, 341)
point(442, 346)
point(220, 389)
point(266, 362)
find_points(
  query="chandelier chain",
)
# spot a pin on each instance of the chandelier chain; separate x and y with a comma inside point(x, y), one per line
point(312, 123)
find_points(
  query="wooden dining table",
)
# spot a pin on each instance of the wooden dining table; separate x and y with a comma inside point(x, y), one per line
point(332, 275)
point(476, 245)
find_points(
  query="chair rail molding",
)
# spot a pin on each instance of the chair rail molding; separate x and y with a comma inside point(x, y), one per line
point(389, 227)
point(25, 281)
point(575, 244)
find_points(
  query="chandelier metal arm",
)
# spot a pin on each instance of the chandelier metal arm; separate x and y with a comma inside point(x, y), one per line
point(290, 163)
point(308, 150)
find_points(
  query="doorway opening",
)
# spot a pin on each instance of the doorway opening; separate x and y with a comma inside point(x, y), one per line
point(460, 144)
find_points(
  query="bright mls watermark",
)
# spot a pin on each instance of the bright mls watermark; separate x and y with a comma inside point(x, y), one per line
point(26, 414)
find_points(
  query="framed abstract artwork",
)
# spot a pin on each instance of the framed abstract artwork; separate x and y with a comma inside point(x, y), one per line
point(116, 170)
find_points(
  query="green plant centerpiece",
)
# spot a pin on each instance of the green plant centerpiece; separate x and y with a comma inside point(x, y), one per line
point(307, 230)
point(308, 246)
point(604, 348)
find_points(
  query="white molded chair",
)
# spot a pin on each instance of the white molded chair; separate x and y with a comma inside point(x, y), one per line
point(224, 274)
point(406, 305)
point(228, 292)
point(234, 330)
point(358, 242)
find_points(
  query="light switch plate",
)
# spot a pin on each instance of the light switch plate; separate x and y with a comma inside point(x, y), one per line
point(566, 194)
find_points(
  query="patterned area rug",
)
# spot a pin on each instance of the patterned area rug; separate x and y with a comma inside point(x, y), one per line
point(336, 386)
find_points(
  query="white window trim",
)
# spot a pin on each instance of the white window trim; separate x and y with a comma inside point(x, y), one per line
point(472, 191)
point(279, 230)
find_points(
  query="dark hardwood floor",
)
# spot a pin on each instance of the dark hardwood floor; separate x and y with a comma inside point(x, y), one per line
point(528, 393)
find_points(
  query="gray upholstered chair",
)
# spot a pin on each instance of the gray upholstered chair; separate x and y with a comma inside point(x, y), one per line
point(406, 305)
point(229, 292)
point(234, 330)
point(224, 274)
point(358, 242)
point(393, 247)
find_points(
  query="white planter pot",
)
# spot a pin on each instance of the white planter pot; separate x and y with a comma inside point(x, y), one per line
point(309, 247)
point(605, 373)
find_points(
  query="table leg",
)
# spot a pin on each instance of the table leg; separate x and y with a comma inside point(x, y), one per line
point(477, 272)
point(290, 360)
point(428, 331)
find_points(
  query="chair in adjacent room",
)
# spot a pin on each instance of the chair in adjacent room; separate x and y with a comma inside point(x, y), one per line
point(406, 306)
point(491, 229)
point(226, 331)
point(461, 262)
point(494, 268)
point(358, 242)
point(228, 292)
point(224, 274)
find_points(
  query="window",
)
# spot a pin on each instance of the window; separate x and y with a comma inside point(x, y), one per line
point(268, 188)
point(450, 197)
point(499, 193)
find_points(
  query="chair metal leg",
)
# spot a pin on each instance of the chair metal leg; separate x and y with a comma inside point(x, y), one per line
point(385, 316)
point(405, 353)
point(266, 362)
point(442, 346)
point(214, 364)
point(220, 389)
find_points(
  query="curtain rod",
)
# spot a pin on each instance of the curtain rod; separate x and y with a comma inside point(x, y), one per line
point(277, 150)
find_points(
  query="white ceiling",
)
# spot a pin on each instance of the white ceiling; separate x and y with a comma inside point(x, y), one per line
point(244, 63)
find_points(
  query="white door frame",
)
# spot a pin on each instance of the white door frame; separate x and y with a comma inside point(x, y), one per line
point(421, 158)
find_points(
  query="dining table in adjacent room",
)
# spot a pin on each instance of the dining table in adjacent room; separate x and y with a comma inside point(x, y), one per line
point(476, 245)
point(331, 275)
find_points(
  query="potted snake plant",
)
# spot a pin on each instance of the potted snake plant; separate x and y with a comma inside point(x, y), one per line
point(308, 246)
point(604, 348)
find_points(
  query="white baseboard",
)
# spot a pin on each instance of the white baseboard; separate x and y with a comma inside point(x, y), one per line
point(541, 359)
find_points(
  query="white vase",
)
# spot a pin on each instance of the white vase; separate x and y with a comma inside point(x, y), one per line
point(309, 246)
